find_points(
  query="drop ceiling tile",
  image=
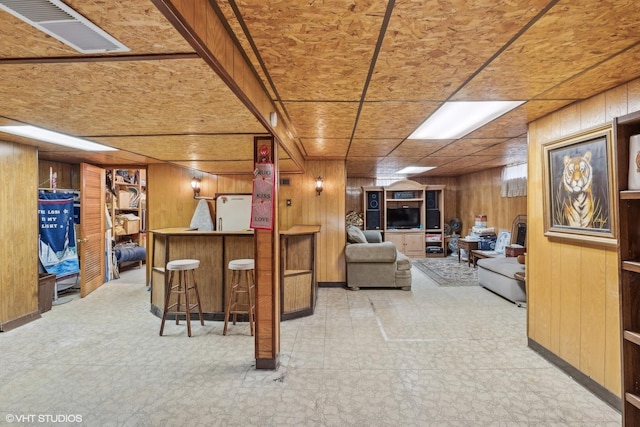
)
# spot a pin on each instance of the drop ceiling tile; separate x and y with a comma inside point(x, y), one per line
point(395, 120)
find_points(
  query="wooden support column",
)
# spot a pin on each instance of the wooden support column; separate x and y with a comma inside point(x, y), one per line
point(267, 266)
point(203, 28)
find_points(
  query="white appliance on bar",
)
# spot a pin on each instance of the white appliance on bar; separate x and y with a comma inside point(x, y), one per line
point(233, 212)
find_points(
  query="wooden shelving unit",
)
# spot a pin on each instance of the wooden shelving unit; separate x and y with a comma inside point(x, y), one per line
point(427, 233)
point(405, 195)
point(434, 222)
point(629, 272)
point(129, 186)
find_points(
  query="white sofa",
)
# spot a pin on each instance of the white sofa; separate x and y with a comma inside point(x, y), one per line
point(497, 275)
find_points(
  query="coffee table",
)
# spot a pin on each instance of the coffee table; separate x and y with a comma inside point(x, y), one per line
point(480, 254)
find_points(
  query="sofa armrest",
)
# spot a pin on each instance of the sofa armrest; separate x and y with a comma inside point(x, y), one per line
point(372, 236)
point(371, 252)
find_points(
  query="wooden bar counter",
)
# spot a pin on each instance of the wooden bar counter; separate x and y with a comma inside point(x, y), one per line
point(298, 282)
point(214, 249)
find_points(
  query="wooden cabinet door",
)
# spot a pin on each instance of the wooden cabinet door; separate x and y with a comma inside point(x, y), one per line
point(414, 245)
point(397, 239)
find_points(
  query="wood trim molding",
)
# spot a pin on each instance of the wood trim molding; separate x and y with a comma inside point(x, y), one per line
point(98, 58)
point(19, 321)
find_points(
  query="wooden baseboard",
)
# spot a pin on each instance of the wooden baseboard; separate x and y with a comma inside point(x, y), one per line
point(600, 391)
point(19, 321)
point(332, 284)
point(268, 364)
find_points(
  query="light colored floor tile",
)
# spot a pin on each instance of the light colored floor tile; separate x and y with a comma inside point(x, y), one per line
point(376, 357)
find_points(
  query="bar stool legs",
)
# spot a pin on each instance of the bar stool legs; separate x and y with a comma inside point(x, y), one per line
point(186, 282)
point(236, 303)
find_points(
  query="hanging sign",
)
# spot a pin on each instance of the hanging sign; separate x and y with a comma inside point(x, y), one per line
point(57, 251)
point(262, 207)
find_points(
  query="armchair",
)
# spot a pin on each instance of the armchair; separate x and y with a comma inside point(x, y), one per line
point(374, 263)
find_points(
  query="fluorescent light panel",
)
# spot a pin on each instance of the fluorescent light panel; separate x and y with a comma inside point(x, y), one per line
point(409, 170)
point(40, 134)
point(456, 119)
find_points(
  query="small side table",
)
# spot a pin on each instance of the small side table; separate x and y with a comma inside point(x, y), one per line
point(467, 245)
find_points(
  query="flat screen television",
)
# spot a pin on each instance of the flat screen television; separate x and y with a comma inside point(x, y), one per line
point(403, 218)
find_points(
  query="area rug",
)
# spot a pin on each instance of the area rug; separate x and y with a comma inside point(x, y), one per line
point(447, 271)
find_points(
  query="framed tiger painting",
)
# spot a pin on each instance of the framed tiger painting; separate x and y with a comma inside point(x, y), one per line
point(579, 193)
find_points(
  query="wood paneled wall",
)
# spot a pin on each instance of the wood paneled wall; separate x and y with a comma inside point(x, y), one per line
point(171, 204)
point(170, 201)
point(326, 210)
point(479, 193)
point(19, 231)
point(573, 305)
point(68, 175)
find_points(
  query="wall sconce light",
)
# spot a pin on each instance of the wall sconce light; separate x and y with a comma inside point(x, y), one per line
point(319, 185)
point(195, 185)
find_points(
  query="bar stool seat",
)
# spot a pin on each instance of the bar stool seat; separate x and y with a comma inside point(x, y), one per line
point(183, 287)
point(246, 287)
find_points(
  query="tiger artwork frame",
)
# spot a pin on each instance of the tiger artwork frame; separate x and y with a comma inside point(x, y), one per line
point(570, 212)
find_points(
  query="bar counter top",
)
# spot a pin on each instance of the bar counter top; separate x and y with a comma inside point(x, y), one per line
point(186, 231)
point(301, 229)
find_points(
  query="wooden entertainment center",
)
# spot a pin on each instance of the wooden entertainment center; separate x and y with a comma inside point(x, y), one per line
point(409, 214)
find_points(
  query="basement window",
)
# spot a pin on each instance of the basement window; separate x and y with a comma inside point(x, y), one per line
point(514, 181)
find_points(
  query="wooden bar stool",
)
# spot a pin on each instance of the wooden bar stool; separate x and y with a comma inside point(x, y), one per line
point(239, 287)
point(183, 287)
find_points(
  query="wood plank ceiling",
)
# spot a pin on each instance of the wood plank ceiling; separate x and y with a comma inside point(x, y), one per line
point(350, 79)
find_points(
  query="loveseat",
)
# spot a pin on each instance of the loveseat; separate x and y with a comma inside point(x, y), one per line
point(497, 275)
point(372, 263)
point(497, 272)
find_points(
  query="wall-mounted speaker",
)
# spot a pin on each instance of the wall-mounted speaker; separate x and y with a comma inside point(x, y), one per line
point(373, 220)
point(431, 200)
point(373, 200)
point(433, 218)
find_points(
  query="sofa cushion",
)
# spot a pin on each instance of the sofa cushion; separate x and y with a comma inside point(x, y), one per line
point(384, 252)
point(506, 266)
point(355, 235)
point(372, 236)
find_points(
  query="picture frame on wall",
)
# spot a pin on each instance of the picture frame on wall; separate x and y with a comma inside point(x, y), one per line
point(579, 201)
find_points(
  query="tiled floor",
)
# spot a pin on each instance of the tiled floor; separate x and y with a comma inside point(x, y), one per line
point(454, 356)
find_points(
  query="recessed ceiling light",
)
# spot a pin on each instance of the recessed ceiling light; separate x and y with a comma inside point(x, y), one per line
point(456, 119)
point(55, 138)
point(411, 170)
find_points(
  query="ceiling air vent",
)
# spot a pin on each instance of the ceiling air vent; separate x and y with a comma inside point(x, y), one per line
point(65, 24)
